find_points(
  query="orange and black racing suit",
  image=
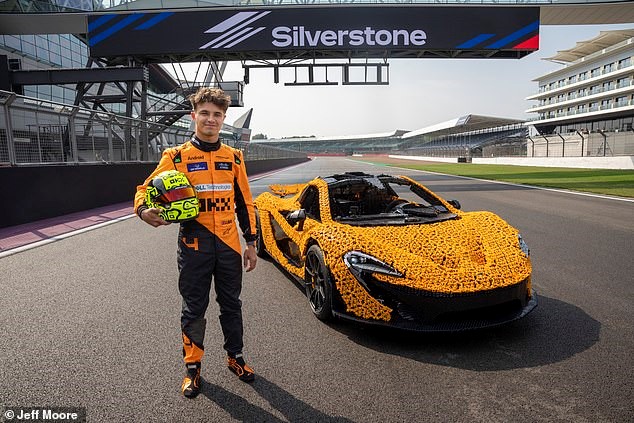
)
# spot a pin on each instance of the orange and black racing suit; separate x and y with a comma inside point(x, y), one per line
point(209, 246)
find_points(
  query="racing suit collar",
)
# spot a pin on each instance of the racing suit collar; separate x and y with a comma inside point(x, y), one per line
point(204, 145)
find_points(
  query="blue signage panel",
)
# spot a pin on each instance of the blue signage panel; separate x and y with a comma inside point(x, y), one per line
point(278, 30)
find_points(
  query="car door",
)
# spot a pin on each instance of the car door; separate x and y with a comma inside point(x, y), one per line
point(288, 241)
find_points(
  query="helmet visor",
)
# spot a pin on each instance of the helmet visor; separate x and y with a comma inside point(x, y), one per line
point(176, 194)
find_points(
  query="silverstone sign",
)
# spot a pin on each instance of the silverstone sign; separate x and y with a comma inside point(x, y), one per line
point(284, 36)
point(280, 29)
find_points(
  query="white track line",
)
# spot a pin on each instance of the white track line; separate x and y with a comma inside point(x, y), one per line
point(587, 194)
point(62, 236)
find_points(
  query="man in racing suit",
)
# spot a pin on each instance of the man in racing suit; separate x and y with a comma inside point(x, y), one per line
point(209, 245)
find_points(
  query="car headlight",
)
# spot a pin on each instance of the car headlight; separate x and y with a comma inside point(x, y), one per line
point(360, 262)
point(523, 246)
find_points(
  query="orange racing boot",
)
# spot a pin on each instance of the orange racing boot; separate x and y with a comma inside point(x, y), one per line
point(240, 368)
point(191, 384)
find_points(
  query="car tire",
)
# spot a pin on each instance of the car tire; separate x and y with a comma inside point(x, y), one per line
point(259, 241)
point(318, 283)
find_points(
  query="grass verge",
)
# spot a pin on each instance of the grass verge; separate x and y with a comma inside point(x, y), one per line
point(599, 181)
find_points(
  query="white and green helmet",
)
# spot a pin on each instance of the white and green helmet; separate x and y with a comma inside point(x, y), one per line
point(171, 192)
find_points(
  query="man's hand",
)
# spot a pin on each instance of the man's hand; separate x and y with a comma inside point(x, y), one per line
point(250, 258)
point(153, 217)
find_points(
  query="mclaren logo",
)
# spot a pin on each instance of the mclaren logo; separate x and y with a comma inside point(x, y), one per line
point(234, 30)
point(240, 27)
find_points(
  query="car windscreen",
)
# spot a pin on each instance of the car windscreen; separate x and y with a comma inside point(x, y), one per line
point(383, 200)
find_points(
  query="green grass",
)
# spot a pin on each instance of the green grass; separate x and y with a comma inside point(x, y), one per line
point(599, 181)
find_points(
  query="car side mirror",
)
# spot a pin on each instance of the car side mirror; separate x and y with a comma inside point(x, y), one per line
point(296, 216)
point(454, 203)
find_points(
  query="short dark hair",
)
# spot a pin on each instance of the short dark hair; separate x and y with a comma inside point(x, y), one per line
point(210, 95)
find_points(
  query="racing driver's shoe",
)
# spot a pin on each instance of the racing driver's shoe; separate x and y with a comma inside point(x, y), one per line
point(191, 384)
point(240, 368)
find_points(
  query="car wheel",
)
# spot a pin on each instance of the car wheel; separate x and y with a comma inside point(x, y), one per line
point(259, 241)
point(317, 282)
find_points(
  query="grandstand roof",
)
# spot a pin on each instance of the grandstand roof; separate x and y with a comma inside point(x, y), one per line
point(396, 133)
point(462, 124)
point(585, 48)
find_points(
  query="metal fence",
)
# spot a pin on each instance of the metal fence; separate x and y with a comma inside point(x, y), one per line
point(582, 144)
point(34, 131)
point(595, 144)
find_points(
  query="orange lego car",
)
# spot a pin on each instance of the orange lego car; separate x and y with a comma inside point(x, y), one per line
point(386, 250)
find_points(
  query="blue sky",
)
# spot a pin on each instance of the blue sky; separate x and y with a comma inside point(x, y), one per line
point(421, 92)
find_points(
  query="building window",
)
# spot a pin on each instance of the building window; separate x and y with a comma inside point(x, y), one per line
point(623, 63)
point(56, 59)
point(608, 68)
point(12, 42)
point(42, 54)
point(30, 91)
point(28, 48)
point(623, 82)
point(595, 72)
point(583, 76)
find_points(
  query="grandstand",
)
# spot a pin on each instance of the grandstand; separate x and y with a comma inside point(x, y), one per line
point(351, 144)
point(465, 136)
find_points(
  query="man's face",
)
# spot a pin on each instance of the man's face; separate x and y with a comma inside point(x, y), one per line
point(209, 119)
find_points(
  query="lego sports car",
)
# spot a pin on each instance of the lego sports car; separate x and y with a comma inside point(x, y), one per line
point(386, 250)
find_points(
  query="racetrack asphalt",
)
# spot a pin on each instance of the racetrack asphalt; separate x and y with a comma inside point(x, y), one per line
point(92, 321)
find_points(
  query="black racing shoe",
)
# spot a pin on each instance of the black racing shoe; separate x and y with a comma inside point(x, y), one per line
point(191, 384)
point(240, 368)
